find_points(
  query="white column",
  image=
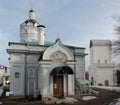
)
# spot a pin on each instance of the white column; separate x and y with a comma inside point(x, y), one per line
point(65, 86)
point(41, 34)
point(51, 85)
point(46, 84)
point(4, 81)
point(11, 79)
point(71, 85)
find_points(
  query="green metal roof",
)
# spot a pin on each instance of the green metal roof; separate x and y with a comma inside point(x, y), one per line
point(33, 43)
point(47, 44)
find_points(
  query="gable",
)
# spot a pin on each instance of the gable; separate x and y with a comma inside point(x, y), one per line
point(58, 52)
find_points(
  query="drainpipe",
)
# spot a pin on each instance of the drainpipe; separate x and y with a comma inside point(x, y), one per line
point(25, 74)
point(25, 81)
point(74, 73)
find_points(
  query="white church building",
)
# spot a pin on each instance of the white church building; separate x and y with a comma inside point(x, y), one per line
point(38, 66)
point(101, 70)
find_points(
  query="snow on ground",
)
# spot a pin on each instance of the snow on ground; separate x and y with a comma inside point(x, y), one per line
point(115, 102)
point(85, 98)
point(115, 89)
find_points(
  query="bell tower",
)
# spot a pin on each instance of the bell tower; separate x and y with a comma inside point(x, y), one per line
point(31, 31)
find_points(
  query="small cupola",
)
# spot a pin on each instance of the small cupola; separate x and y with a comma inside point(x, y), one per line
point(31, 14)
point(31, 18)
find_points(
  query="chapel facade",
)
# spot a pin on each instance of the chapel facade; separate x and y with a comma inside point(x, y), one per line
point(41, 67)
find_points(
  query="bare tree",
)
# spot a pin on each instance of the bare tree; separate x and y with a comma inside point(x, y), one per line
point(116, 42)
point(116, 48)
point(118, 77)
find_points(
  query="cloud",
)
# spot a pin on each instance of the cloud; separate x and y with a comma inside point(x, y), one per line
point(77, 21)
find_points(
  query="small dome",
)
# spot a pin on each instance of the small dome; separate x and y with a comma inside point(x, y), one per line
point(31, 17)
point(31, 14)
point(31, 10)
point(41, 26)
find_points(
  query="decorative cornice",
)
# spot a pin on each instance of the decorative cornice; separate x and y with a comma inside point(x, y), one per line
point(22, 51)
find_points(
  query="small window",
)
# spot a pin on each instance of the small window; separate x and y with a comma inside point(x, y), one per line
point(105, 61)
point(31, 73)
point(5, 69)
point(92, 81)
point(17, 74)
point(98, 61)
point(6, 79)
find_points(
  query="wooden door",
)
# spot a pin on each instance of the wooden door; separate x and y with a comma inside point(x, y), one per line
point(58, 86)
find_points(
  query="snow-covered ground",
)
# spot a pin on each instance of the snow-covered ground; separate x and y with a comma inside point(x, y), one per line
point(115, 89)
point(115, 102)
point(85, 98)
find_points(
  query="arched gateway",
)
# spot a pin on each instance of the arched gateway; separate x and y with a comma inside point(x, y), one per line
point(59, 75)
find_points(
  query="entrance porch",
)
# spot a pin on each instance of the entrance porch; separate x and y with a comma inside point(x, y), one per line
point(62, 81)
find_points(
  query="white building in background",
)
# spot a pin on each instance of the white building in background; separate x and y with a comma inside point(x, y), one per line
point(4, 76)
point(101, 69)
point(41, 67)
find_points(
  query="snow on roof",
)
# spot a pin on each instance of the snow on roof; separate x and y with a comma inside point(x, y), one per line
point(115, 102)
point(115, 89)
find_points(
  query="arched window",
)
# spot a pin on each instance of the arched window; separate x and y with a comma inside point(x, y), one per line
point(31, 73)
point(92, 81)
point(62, 70)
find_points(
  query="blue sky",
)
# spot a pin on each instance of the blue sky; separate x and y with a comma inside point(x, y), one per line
point(77, 21)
